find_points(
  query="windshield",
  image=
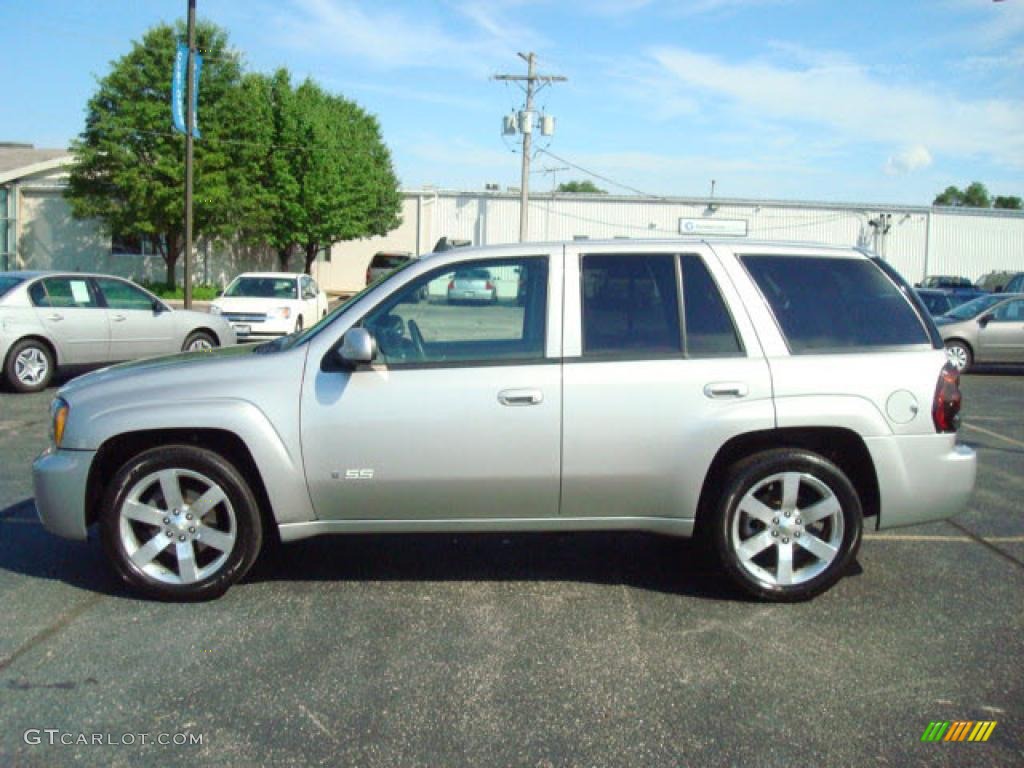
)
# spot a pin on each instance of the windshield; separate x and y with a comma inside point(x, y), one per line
point(263, 288)
point(291, 340)
point(9, 281)
point(974, 307)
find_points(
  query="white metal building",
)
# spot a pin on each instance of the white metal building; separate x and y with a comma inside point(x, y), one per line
point(38, 232)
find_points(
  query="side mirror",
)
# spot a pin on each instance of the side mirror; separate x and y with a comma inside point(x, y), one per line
point(358, 347)
point(158, 307)
point(220, 292)
point(984, 320)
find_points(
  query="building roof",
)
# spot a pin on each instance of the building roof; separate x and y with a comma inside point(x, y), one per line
point(17, 160)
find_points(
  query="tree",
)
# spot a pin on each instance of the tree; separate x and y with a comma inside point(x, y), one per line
point(951, 196)
point(129, 164)
point(1011, 202)
point(975, 196)
point(330, 172)
point(587, 187)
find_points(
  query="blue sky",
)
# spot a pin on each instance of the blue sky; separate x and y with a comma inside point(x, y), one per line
point(876, 100)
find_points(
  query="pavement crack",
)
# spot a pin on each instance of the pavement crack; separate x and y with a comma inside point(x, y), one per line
point(45, 634)
point(975, 537)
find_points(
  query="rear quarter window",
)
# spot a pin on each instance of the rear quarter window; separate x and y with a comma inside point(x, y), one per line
point(835, 305)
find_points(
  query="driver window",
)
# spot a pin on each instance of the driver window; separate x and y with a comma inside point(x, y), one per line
point(479, 311)
point(1010, 312)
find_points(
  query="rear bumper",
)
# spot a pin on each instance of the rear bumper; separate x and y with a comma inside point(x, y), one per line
point(59, 478)
point(921, 478)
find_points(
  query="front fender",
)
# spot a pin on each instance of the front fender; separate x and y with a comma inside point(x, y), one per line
point(278, 460)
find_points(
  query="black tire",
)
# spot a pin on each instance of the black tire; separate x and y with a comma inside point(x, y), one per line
point(42, 353)
point(199, 336)
point(959, 354)
point(248, 534)
point(756, 470)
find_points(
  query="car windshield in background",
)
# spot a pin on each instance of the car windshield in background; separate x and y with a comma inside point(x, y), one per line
point(388, 261)
point(975, 307)
point(263, 288)
point(7, 282)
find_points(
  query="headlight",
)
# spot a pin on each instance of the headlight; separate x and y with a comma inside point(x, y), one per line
point(215, 310)
point(280, 312)
point(59, 409)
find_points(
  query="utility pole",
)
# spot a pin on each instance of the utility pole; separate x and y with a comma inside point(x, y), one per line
point(534, 83)
point(189, 128)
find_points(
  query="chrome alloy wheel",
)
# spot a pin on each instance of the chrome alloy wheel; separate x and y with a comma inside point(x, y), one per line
point(957, 356)
point(31, 366)
point(787, 529)
point(198, 344)
point(177, 526)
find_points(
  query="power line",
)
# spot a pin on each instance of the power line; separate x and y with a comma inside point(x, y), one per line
point(596, 175)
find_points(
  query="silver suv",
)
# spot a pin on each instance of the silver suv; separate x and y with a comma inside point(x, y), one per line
point(771, 398)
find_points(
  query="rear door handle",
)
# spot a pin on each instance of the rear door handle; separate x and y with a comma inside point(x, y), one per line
point(520, 397)
point(118, 318)
point(719, 390)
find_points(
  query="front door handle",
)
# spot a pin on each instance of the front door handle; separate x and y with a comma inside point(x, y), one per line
point(718, 390)
point(55, 317)
point(520, 397)
point(118, 318)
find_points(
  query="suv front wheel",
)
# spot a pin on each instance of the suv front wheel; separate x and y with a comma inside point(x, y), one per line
point(180, 523)
point(788, 525)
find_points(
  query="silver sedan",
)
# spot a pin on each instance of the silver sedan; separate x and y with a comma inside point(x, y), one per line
point(988, 329)
point(51, 320)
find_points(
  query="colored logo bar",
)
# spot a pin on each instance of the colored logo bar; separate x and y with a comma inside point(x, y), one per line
point(958, 730)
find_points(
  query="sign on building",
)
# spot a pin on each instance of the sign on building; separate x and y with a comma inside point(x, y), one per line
point(720, 227)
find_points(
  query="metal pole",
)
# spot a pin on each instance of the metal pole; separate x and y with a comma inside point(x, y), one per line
point(189, 122)
point(524, 185)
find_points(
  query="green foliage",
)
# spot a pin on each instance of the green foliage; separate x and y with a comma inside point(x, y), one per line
point(586, 186)
point(975, 196)
point(292, 168)
point(129, 169)
point(199, 292)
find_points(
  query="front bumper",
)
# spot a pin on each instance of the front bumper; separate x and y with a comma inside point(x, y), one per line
point(59, 478)
point(922, 478)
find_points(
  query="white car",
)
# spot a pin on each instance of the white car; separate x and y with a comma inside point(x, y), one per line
point(264, 305)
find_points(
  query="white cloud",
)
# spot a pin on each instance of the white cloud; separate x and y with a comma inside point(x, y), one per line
point(909, 160)
point(393, 39)
point(848, 100)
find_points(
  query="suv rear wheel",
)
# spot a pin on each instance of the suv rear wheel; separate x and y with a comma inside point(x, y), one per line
point(180, 523)
point(788, 524)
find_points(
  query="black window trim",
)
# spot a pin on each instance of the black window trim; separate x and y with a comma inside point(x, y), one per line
point(543, 359)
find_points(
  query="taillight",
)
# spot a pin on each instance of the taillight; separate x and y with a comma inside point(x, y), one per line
point(451, 285)
point(946, 405)
point(489, 286)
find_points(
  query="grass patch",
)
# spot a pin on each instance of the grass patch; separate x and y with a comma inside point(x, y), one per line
point(199, 292)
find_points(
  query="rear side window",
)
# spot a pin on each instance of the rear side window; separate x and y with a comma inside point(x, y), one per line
point(835, 305)
point(709, 328)
point(64, 292)
point(630, 305)
point(388, 261)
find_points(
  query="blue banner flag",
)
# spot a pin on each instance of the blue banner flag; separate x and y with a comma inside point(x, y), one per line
point(178, 90)
point(195, 94)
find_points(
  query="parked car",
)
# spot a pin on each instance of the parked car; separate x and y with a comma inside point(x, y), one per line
point(994, 282)
point(472, 285)
point(938, 302)
point(384, 262)
point(989, 329)
point(53, 320)
point(961, 287)
point(771, 397)
point(1016, 284)
point(265, 305)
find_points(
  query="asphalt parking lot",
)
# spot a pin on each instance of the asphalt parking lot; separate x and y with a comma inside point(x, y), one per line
point(534, 650)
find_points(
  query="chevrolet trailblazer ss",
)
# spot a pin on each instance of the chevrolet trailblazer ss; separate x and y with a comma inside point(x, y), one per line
point(773, 398)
